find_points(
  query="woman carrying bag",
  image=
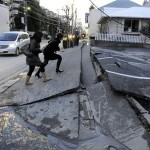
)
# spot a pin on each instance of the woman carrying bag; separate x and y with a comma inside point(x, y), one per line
point(34, 60)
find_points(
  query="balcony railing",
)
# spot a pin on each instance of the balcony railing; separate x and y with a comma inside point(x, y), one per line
point(15, 5)
point(14, 12)
point(17, 0)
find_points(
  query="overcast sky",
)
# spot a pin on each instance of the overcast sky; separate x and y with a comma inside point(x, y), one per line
point(81, 5)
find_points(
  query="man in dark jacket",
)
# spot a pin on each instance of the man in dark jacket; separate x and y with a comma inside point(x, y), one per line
point(50, 53)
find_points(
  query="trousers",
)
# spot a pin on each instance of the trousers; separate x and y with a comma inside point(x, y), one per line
point(46, 60)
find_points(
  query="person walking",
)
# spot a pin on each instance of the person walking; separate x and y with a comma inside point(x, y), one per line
point(34, 60)
point(50, 54)
point(77, 37)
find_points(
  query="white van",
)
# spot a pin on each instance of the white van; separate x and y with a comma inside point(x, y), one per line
point(12, 42)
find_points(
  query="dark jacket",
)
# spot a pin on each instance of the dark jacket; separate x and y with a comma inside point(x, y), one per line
point(52, 47)
point(35, 49)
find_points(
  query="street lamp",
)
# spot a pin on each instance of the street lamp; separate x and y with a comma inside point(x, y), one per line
point(28, 8)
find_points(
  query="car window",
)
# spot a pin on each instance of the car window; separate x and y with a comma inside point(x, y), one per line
point(27, 36)
point(24, 36)
point(20, 37)
point(8, 36)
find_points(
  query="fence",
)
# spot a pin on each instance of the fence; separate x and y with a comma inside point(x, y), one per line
point(119, 38)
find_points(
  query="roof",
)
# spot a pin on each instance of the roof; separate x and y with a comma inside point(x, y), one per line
point(122, 4)
point(110, 10)
point(133, 12)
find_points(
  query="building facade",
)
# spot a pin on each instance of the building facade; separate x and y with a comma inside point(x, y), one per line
point(95, 15)
point(4, 15)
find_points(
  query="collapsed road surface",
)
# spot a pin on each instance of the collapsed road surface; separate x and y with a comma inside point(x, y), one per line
point(75, 110)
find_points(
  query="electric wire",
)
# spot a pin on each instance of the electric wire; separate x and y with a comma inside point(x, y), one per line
point(30, 5)
point(48, 18)
point(40, 13)
point(39, 19)
point(108, 15)
point(45, 17)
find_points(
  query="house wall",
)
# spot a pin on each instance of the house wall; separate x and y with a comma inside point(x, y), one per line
point(4, 19)
point(94, 16)
point(113, 27)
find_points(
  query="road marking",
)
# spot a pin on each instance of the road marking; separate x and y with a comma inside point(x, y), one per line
point(126, 75)
point(104, 58)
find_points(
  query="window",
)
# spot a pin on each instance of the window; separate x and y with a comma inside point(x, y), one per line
point(8, 36)
point(131, 25)
point(24, 36)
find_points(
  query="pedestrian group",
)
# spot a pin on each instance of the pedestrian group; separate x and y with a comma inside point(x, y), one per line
point(49, 53)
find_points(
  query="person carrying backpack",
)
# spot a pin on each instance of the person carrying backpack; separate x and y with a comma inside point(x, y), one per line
point(49, 53)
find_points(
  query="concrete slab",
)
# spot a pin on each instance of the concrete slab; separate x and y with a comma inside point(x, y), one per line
point(142, 110)
point(87, 67)
point(68, 81)
point(99, 50)
point(92, 131)
point(127, 74)
point(128, 58)
point(57, 117)
point(106, 60)
point(139, 86)
point(15, 134)
point(8, 84)
point(126, 70)
point(114, 113)
point(95, 140)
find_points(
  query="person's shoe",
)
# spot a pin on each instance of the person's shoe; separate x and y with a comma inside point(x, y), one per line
point(37, 75)
point(59, 71)
point(45, 79)
point(27, 80)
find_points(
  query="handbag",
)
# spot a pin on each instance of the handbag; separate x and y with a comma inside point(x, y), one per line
point(26, 51)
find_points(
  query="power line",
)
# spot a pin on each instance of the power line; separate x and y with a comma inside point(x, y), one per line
point(42, 20)
point(107, 14)
point(38, 19)
point(32, 5)
point(42, 15)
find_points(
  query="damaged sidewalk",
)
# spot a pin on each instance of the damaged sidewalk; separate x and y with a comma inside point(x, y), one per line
point(73, 111)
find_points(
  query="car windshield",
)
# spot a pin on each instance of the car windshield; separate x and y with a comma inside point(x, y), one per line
point(8, 36)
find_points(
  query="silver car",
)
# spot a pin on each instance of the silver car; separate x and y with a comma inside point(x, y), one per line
point(12, 42)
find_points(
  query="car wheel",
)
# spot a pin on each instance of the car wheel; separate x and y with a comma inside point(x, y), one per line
point(17, 52)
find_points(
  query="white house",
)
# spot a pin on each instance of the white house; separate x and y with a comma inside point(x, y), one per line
point(125, 20)
point(95, 15)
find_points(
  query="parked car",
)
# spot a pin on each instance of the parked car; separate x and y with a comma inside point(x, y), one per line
point(12, 42)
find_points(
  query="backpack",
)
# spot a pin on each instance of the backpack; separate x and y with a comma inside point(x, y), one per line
point(26, 51)
point(49, 43)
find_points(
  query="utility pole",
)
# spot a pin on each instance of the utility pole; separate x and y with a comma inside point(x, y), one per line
point(67, 11)
point(75, 24)
point(25, 15)
point(68, 22)
point(58, 21)
point(72, 17)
